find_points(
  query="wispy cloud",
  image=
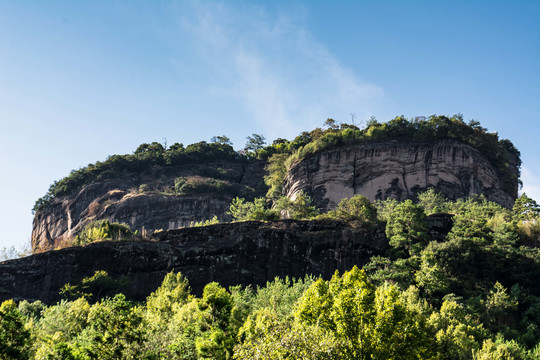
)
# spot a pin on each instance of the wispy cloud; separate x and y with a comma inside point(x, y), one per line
point(531, 183)
point(277, 71)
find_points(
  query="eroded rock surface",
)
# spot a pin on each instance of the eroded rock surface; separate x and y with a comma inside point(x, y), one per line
point(245, 253)
point(396, 170)
point(236, 253)
point(121, 201)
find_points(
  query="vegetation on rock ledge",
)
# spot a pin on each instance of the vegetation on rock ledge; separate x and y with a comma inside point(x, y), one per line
point(281, 154)
point(473, 294)
point(145, 159)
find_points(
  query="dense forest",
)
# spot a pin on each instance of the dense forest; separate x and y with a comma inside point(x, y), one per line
point(473, 295)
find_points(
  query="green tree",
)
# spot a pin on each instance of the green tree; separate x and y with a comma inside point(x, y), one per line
point(189, 323)
point(176, 147)
point(399, 271)
point(173, 292)
point(406, 228)
point(457, 332)
point(275, 176)
point(103, 230)
point(331, 124)
point(500, 309)
point(526, 209)
point(472, 219)
point(165, 332)
point(32, 310)
point(370, 322)
point(299, 208)
point(95, 287)
point(221, 140)
point(280, 295)
point(61, 323)
point(114, 329)
point(254, 143)
point(357, 208)
point(526, 214)
point(219, 340)
point(154, 148)
point(385, 208)
point(242, 210)
point(503, 349)
point(432, 202)
point(431, 276)
point(267, 337)
point(14, 338)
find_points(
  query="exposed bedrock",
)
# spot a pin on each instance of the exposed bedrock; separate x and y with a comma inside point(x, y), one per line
point(119, 200)
point(246, 253)
point(238, 253)
point(395, 170)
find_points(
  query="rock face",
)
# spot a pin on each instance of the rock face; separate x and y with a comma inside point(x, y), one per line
point(235, 253)
point(121, 201)
point(396, 170)
point(246, 253)
point(377, 170)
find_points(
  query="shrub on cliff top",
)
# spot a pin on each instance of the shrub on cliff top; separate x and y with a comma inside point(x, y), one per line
point(104, 230)
point(357, 208)
point(242, 210)
point(195, 185)
point(144, 160)
point(500, 153)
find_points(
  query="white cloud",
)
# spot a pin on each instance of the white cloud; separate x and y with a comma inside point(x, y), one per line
point(531, 183)
point(269, 64)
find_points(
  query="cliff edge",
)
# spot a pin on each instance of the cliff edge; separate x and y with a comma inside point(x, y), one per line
point(247, 253)
point(396, 170)
point(243, 253)
point(148, 202)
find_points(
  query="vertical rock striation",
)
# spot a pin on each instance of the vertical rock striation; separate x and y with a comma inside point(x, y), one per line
point(119, 200)
point(395, 170)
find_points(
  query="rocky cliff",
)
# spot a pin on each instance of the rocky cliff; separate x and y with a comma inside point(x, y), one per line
point(396, 170)
point(245, 253)
point(377, 170)
point(235, 253)
point(155, 207)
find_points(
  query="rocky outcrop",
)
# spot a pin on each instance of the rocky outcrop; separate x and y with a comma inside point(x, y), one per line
point(156, 208)
point(377, 170)
point(245, 253)
point(235, 253)
point(396, 170)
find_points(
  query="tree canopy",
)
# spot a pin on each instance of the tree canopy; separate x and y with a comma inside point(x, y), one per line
point(473, 294)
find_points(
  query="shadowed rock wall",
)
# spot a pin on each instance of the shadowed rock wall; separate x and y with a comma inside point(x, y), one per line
point(246, 253)
point(239, 253)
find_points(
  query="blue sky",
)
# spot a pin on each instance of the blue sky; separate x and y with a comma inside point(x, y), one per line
point(82, 80)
